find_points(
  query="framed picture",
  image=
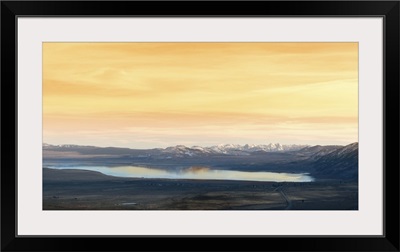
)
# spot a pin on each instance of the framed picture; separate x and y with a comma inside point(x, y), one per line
point(141, 125)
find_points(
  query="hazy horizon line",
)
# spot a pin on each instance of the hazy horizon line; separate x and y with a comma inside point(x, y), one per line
point(191, 146)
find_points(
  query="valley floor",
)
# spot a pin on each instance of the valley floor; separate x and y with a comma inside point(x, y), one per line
point(85, 190)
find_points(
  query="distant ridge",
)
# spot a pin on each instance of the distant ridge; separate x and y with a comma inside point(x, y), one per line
point(341, 163)
point(215, 148)
point(178, 150)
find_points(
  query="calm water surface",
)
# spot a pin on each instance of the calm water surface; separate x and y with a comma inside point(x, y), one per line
point(192, 173)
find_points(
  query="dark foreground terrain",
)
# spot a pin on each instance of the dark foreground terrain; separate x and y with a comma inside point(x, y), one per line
point(86, 190)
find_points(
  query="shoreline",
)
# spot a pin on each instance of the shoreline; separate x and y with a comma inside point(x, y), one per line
point(86, 190)
point(196, 175)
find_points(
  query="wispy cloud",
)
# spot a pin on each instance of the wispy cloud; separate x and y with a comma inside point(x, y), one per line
point(173, 93)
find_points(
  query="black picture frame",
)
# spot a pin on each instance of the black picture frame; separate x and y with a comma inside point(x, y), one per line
point(11, 10)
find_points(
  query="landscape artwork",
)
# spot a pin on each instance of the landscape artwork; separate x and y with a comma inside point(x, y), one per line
point(200, 126)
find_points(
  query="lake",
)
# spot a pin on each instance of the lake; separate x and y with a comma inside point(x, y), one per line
point(192, 173)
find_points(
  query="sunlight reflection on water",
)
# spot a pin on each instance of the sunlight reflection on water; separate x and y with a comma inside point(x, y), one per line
point(193, 173)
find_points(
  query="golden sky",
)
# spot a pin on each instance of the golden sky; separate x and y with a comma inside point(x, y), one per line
point(147, 95)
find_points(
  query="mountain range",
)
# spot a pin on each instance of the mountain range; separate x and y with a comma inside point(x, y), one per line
point(182, 150)
point(325, 162)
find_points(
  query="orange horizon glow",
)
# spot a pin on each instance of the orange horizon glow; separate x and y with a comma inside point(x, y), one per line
point(150, 95)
